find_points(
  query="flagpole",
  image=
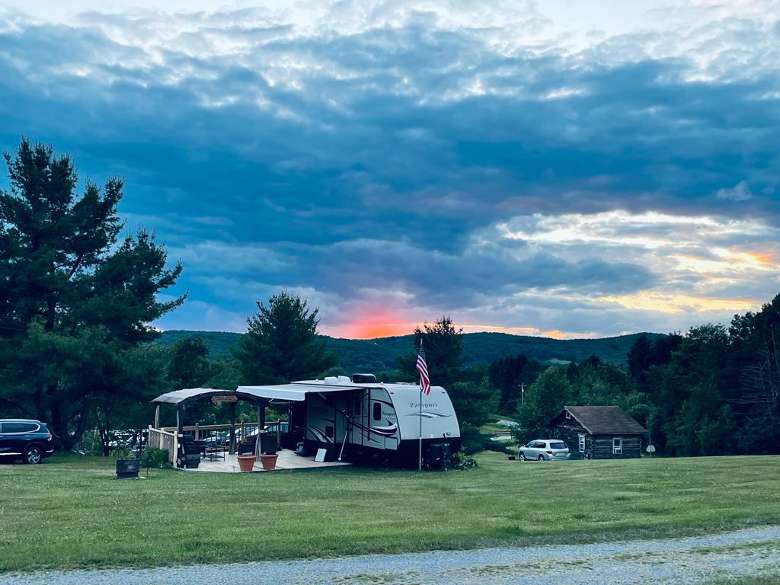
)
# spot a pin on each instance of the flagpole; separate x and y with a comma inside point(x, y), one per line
point(419, 451)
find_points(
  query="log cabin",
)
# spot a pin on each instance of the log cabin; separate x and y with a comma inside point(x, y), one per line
point(599, 432)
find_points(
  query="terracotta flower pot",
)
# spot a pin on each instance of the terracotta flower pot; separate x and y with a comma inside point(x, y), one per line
point(246, 462)
point(269, 461)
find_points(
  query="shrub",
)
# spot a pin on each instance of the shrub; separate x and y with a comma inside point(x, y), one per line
point(153, 457)
point(460, 460)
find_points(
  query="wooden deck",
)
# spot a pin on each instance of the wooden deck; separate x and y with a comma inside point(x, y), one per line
point(287, 460)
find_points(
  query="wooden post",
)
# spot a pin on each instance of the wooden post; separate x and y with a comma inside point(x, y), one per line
point(179, 421)
point(261, 415)
point(157, 416)
point(260, 425)
point(232, 428)
point(197, 431)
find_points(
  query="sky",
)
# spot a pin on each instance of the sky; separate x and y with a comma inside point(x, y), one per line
point(560, 168)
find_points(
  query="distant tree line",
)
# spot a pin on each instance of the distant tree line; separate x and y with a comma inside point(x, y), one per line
point(714, 390)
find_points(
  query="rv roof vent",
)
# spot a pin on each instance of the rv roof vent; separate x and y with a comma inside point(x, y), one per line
point(364, 378)
point(337, 380)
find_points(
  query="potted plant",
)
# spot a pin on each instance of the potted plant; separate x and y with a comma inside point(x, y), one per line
point(269, 460)
point(246, 462)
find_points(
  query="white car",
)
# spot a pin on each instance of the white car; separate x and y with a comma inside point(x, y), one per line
point(544, 450)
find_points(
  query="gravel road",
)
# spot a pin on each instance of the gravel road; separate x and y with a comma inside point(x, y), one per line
point(687, 561)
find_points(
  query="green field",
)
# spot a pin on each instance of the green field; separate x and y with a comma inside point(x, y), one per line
point(70, 512)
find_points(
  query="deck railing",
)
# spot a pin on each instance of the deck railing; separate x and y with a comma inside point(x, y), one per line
point(167, 438)
point(243, 429)
point(164, 439)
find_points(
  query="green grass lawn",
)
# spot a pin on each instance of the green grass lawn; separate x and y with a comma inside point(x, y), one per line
point(71, 512)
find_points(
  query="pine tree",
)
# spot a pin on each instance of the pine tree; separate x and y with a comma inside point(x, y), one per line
point(282, 344)
point(72, 301)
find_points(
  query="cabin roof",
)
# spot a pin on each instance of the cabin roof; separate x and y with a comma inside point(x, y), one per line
point(604, 420)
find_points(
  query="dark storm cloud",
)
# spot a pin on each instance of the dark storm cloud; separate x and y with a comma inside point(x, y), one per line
point(324, 160)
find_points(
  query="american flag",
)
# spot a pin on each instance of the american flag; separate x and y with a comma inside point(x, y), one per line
point(422, 367)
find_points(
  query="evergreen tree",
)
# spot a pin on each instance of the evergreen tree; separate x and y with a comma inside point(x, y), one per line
point(71, 301)
point(443, 345)
point(509, 375)
point(282, 344)
point(189, 366)
point(545, 398)
point(474, 403)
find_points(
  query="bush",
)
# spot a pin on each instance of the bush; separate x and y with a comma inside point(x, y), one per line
point(460, 460)
point(153, 457)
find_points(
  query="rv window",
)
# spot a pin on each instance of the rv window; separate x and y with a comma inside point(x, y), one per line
point(377, 411)
point(329, 431)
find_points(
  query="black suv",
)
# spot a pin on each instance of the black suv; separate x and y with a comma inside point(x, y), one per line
point(27, 439)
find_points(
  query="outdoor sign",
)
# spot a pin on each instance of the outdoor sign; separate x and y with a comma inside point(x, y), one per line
point(223, 399)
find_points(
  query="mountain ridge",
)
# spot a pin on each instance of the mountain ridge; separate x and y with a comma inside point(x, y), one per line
point(382, 353)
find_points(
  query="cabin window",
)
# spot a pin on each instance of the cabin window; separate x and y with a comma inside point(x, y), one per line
point(581, 438)
point(617, 446)
point(568, 415)
point(377, 411)
point(329, 431)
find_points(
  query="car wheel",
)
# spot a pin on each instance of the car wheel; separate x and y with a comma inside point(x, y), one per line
point(541, 458)
point(522, 457)
point(33, 455)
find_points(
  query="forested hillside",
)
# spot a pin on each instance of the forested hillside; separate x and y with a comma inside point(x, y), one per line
point(376, 355)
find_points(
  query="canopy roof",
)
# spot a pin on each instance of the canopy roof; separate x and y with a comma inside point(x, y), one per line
point(178, 396)
point(295, 392)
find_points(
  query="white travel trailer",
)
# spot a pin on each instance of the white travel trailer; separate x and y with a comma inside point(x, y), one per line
point(358, 417)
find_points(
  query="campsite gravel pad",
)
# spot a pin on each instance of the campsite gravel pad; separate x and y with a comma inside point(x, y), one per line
point(676, 561)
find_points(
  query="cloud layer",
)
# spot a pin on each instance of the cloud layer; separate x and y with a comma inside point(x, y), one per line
point(398, 160)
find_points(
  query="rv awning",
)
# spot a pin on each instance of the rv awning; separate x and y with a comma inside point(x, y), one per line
point(295, 392)
point(292, 392)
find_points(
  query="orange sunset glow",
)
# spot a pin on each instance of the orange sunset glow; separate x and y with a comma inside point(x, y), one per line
point(372, 323)
point(376, 323)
